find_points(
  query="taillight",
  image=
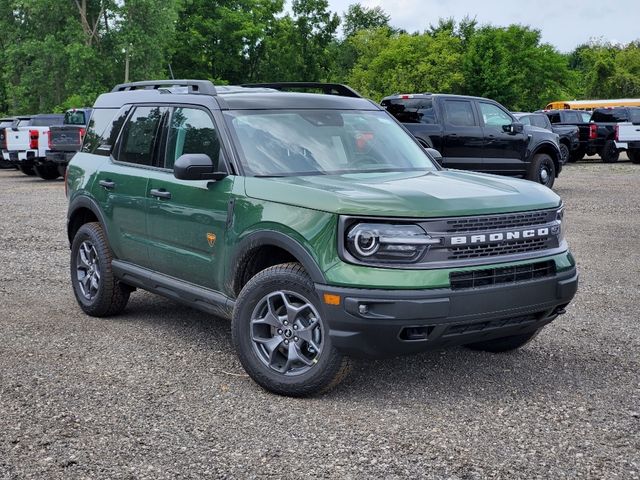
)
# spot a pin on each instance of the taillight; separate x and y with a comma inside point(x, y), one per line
point(33, 139)
point(82, 132)
point(593, 131)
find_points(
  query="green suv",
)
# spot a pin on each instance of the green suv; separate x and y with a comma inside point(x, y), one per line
point(314, 222)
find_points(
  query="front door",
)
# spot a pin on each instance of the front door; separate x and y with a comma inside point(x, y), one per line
point(503, 151)
point(187, 219)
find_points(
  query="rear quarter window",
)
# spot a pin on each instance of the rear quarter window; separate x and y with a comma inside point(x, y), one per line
point(103, 129)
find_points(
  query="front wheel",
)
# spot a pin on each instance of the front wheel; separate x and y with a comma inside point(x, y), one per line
point(564, 153)
point(97, 291)
point(280, 336)
point(634, 155)
point(504, 344)
point(610, 153)
point(542, 170)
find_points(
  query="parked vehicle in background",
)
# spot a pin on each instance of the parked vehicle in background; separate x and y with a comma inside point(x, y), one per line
point(316, 223)
point(4, 153)
point(66, 139)
point(479, 134)
point(606, 121)
point(568, 135)
point(27, 142)
point(590, 105)
point(629, 133)
point(586, 129)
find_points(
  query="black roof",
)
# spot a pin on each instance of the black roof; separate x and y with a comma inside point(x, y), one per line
point(232, 97)
point(400, 96)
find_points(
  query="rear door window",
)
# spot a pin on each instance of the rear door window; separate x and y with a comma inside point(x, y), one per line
point(460, 113)
point(140, 134)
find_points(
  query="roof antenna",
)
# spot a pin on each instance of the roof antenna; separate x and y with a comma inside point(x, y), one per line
point(171, 72)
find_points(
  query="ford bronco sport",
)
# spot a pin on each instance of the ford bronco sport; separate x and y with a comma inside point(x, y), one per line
point(316, 223)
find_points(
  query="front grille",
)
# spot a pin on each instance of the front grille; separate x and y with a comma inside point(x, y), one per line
point(493, 222)
point(502, 248)
point(497, 276)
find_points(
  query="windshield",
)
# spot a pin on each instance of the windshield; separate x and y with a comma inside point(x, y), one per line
point(323, 142)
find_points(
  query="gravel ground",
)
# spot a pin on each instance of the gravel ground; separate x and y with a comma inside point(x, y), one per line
point(158, 392)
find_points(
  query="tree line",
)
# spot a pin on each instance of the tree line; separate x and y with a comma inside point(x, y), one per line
point(59, 54)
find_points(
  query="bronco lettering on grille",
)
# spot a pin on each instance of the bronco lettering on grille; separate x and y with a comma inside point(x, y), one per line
point(500, 236)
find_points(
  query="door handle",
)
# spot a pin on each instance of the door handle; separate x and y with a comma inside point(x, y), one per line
point(108, 184)
point(154, 192)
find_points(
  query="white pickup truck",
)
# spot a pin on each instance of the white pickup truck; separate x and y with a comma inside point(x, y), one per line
point(629, 133)
point(27, 141)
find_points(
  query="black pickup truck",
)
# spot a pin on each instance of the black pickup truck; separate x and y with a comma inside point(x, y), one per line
point(4, 154)
point(586, 129)
point(66, 139)
point(605, 121)
point(474, 133)
point(568, 135)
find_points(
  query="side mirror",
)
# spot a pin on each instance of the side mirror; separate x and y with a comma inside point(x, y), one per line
point(435, 154)
point(515, 127)
point(196, 166)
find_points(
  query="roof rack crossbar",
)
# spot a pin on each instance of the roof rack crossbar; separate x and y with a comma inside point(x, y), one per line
point(202, 87)
point(327, 88)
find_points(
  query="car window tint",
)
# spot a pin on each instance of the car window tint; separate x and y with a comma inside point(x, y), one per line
point(586, 117)
point(139, 135)
point(103, 129)
point(526, 120)
point(494, 116)
point(412, 110)
point(191, 130)
point(634, 115)
point(540, 121)
point(609, 115)
point(554, 117)
point(74, 117)
point(459, 113)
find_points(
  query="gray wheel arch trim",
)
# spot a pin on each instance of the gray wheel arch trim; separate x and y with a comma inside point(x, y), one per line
point(83, 201)
point(264, 238)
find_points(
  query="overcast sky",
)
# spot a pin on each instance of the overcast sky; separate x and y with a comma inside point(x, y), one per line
point(564, 23)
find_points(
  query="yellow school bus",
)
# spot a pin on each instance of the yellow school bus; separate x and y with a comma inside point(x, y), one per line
point(591, 104)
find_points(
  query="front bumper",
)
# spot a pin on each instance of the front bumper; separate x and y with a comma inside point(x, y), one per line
point(382, 323)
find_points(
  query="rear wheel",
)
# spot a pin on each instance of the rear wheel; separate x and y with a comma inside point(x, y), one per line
point(280, 336)
point(504, 344)
point(542, 170)
point(47, 171)
point(27, 170)
point(610, 153)
point(634, 155)
point(97, 291)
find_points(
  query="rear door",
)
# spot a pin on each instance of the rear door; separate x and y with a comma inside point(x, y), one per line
point(187, 219)
point(503, 152)
point(463, 137)
point(122, 183)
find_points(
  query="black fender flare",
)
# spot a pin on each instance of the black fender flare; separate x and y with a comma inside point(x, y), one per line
point(263, 238)
point(89, 203)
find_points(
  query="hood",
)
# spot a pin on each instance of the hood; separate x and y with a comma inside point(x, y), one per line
point(412, 194)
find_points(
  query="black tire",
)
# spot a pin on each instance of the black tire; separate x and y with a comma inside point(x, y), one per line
point(609, 152)
point(542, 170)
point(110, 296)
point(27, 170)
point(576, 155)
point(47, 171)
point(62, 170)
point(564, 153)
point(634, 155)
point(258, 315)
point(504, 344)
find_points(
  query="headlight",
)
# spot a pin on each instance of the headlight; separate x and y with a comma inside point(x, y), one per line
point(381, 242)
point(561, 223)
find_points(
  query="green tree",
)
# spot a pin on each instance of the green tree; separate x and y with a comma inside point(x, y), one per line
point(511, 66)
point(358, 18)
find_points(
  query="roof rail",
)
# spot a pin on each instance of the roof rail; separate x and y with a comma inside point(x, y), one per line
point(202, 87)
point(327, 88)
